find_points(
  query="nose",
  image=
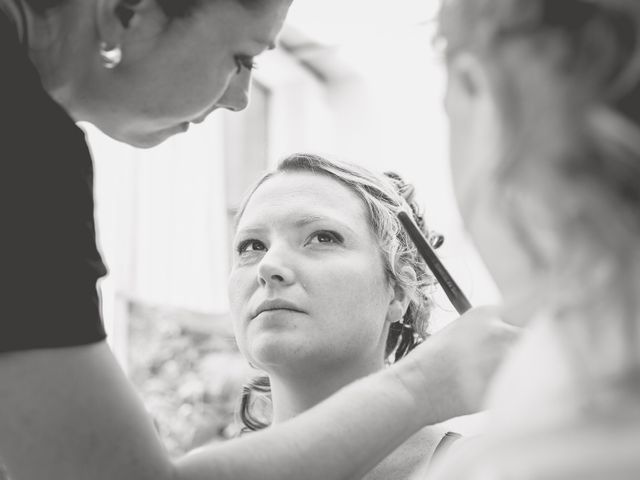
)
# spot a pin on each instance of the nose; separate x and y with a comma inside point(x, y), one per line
point(274, 271)
point(236, 96)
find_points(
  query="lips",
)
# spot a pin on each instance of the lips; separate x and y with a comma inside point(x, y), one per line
point(275, 304)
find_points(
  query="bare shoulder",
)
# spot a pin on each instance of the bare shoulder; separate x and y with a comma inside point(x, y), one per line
point(81, 395)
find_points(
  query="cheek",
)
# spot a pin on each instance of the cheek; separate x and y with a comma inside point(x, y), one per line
point(352, 296)
point(240, 285)
point(200, 86)
point(456, 162)
point(474, 149)
point(459, 151)
point(211, 74)
point(208, 89)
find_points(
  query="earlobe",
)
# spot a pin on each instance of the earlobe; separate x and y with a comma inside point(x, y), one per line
point(400, 301)
point(120, 22)
point(467, 71)
point(395, 312)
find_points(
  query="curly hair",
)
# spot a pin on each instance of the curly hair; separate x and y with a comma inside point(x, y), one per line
point(382, 196)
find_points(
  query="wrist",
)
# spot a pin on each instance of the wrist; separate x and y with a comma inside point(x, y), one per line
point(430, 385)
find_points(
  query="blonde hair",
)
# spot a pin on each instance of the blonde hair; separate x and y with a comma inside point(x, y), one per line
point(566, 75)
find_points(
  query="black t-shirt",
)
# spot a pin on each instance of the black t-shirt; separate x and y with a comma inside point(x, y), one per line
point(49, 262)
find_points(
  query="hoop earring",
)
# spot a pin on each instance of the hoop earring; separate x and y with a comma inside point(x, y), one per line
point(111, 56)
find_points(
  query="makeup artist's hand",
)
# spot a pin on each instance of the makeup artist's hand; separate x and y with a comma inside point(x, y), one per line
point(458, 362)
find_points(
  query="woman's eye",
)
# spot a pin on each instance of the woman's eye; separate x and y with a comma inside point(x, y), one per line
point(250, 246)
point(325, 237)
point(244, 61)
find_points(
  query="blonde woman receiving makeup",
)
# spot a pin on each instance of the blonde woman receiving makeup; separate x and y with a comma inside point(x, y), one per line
point(326, 288)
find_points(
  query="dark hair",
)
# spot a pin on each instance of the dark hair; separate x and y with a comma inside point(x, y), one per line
point(40, 6)
point(382, 196)
point(171, 8)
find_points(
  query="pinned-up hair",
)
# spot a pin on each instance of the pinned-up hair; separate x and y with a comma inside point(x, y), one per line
point(382, 197)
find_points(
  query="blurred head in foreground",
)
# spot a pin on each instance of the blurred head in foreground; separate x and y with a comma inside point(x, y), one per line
point(544, 106)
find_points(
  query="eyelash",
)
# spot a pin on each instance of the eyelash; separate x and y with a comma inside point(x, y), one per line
point(334, 236)
point(245, 243)
point(244, 61)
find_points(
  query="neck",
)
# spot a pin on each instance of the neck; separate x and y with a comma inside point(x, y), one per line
point(294, 392)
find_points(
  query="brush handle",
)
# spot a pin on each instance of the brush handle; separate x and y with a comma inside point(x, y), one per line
point(448, 284)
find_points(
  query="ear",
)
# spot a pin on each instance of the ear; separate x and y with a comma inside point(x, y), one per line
point(400, 300)
point(468, 76)
point(116, 19)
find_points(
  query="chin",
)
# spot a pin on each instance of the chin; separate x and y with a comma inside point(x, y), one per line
point(147, 139)
point(144, 144)
point(266, 355)
point(272, 355)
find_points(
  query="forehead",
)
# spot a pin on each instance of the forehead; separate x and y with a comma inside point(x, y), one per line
point(288, 196)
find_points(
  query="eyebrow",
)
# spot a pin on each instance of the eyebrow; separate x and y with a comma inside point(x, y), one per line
point(309, 219)
point(301, 222)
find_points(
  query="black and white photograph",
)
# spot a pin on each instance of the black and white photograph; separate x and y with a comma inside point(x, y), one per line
point(320, 240)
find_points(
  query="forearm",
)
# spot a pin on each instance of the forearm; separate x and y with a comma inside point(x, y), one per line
point(341, 438)
point(71, 413)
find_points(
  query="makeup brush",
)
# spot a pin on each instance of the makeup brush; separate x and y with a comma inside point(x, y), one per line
point(448, 284)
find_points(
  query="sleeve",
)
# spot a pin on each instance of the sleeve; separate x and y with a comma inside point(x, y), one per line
point(49, 261)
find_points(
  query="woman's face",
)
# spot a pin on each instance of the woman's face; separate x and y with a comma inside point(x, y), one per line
point(477, 132)
point(175, 72)
point(474, 133)
point(308, 289)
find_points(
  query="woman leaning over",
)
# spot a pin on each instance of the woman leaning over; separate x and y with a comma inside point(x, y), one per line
point(143, 70)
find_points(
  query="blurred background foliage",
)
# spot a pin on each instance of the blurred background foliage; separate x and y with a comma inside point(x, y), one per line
point(187, 367)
